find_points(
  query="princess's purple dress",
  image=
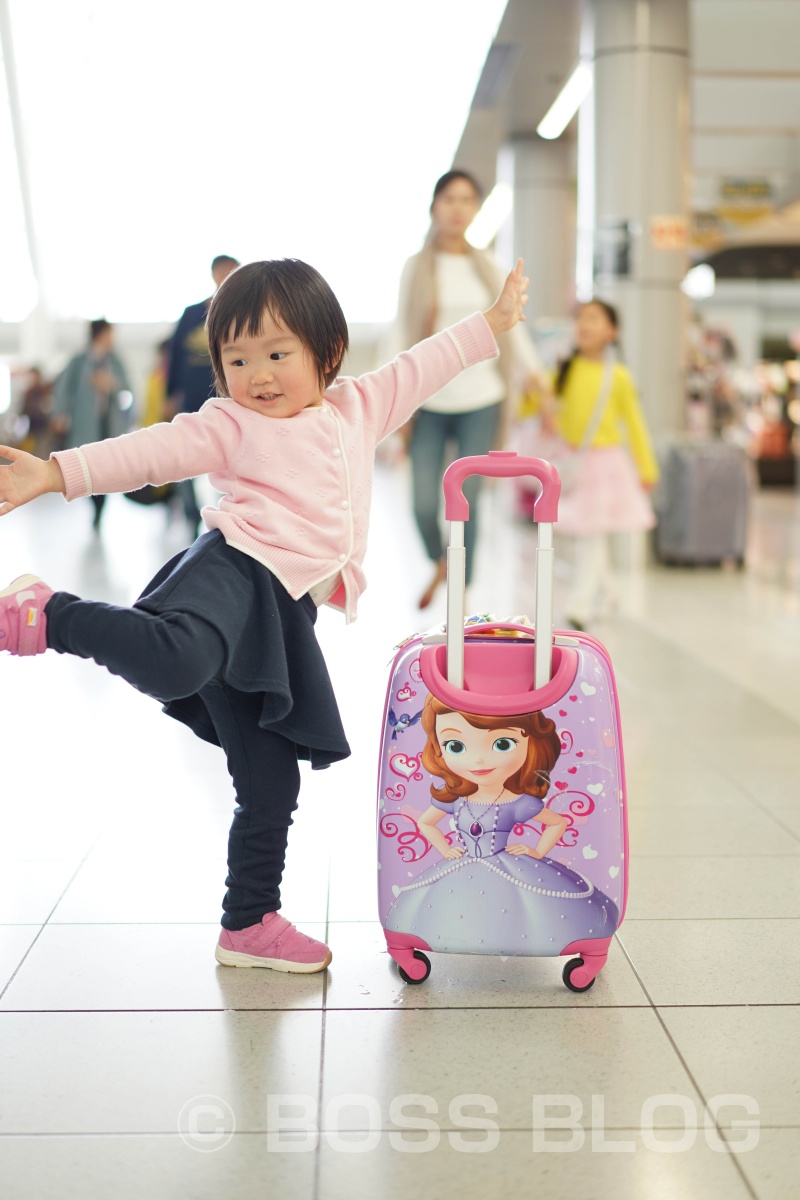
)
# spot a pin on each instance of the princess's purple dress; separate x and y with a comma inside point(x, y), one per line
point(491, 902)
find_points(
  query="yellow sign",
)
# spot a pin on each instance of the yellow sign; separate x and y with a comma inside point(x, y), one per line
point(746, 189)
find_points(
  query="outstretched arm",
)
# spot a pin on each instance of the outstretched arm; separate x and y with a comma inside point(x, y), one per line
point(26, 478)
point(509, 307)
point(392, 394)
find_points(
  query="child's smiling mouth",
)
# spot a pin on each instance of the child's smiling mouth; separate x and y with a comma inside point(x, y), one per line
point(268, 397)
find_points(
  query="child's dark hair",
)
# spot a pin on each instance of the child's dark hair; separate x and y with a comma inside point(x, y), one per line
point(294, 295)
point(450, 177)
point(565, 364)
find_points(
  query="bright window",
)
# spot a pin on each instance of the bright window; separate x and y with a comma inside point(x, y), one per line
point(164, 132)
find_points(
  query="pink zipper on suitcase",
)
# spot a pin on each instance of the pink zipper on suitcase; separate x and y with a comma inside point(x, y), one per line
point(502, 819)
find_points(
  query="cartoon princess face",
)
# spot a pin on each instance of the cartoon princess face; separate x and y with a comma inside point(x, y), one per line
point(488, 757)
point(484, 755)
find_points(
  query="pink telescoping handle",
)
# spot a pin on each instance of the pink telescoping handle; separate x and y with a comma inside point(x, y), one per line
point(503, 464)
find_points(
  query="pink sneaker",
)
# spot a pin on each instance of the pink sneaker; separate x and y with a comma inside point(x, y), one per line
point(273, 942)
point(23, 626)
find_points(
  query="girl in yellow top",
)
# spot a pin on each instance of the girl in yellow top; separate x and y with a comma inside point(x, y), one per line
point(618, 469)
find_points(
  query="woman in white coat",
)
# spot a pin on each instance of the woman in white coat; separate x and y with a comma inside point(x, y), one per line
point(447, 280)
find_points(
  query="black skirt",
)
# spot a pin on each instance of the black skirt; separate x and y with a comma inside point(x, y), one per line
point(270, 645)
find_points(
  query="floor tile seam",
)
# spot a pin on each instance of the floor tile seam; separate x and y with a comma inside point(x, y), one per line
point(693, 744)
point(212, 926)
point(166, 1011)
point(734, 858)
point(44, 923)
point(737, 1004)
point(315, 1191)
point(724, 857)
point(686, 920)
point(746, 791)
point(444, 1126)
point(566, 1006)
point(668, 722)
point(449, 1008)
point(674, 643)
point(689, 1073)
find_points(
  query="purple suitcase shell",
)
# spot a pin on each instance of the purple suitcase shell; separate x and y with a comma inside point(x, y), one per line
point(563, 755)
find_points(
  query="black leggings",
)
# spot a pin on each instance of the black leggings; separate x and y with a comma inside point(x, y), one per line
point(178, 655)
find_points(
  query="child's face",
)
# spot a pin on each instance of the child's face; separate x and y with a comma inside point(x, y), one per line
point(594, 331)
point(272, 373)
point(487, 757)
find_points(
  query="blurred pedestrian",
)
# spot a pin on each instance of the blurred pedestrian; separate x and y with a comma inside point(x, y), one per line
point(155, 396)
point(93, 399)
point(596, 403)
point(190, 377)
point(446, 281)
point(37, 407)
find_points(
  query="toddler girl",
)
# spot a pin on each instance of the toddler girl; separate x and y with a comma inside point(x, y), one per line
point(223, 635)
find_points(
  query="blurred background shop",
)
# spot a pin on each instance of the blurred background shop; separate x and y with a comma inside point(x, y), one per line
point(671, 191)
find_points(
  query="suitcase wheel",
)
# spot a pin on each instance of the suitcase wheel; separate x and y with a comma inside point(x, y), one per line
point(575, 965)
point(424, 969)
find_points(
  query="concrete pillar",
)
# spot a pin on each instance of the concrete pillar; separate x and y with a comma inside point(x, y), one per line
point(640, 51)
point(542, 226)
point(37, 344)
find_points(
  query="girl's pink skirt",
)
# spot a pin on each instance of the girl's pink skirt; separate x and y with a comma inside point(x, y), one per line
point(608, 497)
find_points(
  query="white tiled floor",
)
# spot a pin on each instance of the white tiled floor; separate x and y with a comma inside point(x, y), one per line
point(130, 1063)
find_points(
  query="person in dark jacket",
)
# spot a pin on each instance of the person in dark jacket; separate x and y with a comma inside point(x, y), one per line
point(190, 378)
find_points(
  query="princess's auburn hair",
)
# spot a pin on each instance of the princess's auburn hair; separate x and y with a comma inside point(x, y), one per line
point(533, 777)
point(294, 295)
point(564, 366)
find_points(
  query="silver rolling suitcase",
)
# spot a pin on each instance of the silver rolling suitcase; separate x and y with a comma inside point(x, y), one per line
point(703, 504)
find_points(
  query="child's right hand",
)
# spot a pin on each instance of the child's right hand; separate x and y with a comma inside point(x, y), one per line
point(509, 305)
point(26, 478)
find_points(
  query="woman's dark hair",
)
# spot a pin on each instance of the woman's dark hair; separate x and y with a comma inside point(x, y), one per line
point(565, 364)
point(294, 295)
point(451, 177)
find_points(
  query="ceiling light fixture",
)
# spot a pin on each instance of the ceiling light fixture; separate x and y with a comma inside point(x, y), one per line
point(491, 215)
point(566, 103)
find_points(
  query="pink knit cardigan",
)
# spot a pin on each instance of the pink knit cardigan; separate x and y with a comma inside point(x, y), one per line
point(295, 490)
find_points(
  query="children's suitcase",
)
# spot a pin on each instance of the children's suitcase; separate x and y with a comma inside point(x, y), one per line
point(502, 823)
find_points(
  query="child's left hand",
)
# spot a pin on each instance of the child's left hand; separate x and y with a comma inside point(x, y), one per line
point(508, 307)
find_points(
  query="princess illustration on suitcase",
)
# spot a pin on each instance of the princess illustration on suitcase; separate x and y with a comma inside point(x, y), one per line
point(491, 891)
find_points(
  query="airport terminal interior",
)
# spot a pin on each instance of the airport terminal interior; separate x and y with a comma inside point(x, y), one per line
point(131, 1062)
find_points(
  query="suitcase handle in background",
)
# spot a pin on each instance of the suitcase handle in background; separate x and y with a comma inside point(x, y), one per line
point(500, 463)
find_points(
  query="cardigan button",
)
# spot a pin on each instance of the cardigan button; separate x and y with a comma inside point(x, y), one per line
point(342, 557)
point(345, 504)
point(337, 453)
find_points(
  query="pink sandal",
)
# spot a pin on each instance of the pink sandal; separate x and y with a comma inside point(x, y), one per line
point(23, 626)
